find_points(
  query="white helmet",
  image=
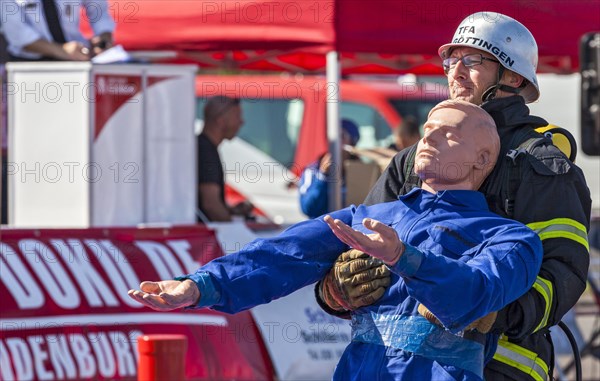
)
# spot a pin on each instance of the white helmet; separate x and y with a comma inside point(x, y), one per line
point(506, 39)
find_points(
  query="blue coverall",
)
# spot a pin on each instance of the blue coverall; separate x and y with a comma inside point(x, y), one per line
point(461, 261)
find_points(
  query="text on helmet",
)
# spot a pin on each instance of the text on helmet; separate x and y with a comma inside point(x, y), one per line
point(499, 53)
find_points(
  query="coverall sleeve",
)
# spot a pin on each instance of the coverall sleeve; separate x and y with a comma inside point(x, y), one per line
point(267, 269)
point(554, 202)
point(459, 292)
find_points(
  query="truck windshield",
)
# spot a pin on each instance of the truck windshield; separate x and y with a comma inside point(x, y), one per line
point(417, 108)
point(271, 125)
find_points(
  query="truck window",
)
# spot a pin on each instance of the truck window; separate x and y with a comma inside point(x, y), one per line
point(271, 125)
point(417, 108)
point(374, 130)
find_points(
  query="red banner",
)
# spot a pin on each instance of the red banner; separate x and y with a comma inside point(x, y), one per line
point(65, 312)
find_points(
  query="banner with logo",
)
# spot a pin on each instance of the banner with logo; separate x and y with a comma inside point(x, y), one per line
point(65, 312)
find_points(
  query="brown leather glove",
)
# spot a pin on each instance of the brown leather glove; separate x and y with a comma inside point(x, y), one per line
point(356, 280)
point(483, 325)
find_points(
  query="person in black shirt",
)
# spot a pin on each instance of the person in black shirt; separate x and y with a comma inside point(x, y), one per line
point(222, 120)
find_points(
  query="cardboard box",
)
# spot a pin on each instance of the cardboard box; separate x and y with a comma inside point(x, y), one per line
point(360, 178)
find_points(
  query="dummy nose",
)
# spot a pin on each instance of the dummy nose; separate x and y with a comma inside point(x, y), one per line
point(430, 136)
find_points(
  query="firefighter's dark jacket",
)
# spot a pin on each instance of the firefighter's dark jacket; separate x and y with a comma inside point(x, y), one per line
point(552, 198)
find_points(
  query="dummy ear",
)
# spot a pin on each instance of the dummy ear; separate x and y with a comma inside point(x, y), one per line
point(483, 159)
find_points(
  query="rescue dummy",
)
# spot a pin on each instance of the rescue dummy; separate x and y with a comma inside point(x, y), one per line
point(443, 247)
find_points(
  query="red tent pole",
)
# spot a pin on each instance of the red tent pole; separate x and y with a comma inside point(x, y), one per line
point(162, 357)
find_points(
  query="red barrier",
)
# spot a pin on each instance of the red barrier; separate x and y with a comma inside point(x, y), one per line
point(162, 357)
point(65, 313)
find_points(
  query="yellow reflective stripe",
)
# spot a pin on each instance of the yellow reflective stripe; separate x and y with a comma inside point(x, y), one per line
point(561, 228)
point(544, 287)
point(523, 359)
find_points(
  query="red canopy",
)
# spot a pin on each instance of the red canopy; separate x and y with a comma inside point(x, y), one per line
point(382, 36)
point(420, 27)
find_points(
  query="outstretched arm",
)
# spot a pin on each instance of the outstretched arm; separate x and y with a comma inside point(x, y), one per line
point(264, 270)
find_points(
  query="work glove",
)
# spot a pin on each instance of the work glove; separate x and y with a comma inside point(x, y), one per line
point(355, 280)
point(483, 325)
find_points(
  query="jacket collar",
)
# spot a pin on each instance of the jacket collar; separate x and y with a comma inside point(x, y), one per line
point(511, 112)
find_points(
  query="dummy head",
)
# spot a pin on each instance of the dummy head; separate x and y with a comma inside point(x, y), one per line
point(459, 148)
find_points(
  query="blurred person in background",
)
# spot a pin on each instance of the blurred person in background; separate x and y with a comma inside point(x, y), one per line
point(407, 134)
point(222, 121)
point(313, 186)
point(49, 30)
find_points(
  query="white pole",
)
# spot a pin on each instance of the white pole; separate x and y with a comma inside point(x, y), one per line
point(333, 129)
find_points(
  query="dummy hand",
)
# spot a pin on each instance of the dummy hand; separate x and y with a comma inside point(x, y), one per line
point(383, 244)
point(483, 325)
point(355, 280)
point(166, 295)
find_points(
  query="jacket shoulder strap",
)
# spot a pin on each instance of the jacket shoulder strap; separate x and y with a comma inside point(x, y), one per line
point(411, 179)
point(514, 156)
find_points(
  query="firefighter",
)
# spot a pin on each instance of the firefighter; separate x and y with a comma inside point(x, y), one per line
point(491, 61)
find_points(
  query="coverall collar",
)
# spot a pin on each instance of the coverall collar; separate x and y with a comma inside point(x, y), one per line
point(469, 198)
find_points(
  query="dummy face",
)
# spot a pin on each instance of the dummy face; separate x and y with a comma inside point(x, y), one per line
point(452, 150)
point(232, 121)
point(469, 83)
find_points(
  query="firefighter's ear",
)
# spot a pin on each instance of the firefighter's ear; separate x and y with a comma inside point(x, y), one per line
point(512, 79)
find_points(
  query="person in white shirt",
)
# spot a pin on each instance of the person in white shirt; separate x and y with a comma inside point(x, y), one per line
point(49, 29)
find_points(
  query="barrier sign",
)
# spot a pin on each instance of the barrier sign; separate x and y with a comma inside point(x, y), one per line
point(65, 313)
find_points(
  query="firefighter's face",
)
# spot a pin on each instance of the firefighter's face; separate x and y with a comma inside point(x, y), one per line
point(469, 83)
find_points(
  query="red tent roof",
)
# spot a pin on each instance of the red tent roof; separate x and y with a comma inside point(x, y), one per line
point(221, 25)
point(381, 36)
point(420, 27)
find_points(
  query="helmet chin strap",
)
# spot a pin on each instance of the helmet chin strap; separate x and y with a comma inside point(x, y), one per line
point(490, 93)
